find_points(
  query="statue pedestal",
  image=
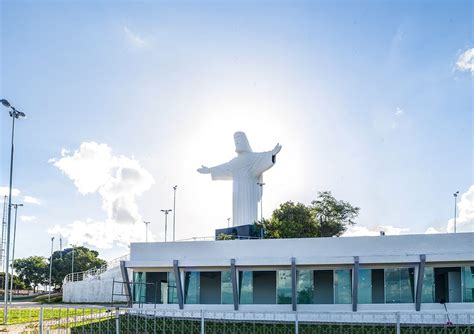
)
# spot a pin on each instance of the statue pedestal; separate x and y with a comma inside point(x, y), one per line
point(250, 231)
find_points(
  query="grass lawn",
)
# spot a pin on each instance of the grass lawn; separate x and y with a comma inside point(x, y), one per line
point(24, 315)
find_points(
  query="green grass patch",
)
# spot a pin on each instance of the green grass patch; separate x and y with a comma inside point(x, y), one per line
point(26, 315)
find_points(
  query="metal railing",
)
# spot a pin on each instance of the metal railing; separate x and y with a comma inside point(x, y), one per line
point(97, 319)
point(94, 272)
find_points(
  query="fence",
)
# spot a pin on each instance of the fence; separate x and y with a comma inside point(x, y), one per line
point(94, 272)
point(96, 319)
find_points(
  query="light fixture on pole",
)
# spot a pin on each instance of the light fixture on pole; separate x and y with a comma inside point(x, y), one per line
point(50, 269)
point(261, 184)
point(13, 248)
point(455, 208)
point(14, 114)
point(166, 211)
point(146, 230)
point(174, 212)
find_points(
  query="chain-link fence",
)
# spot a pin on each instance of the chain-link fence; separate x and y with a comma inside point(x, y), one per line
point(93, 319)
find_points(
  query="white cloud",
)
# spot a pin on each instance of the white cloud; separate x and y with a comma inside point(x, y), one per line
point(359, 230)
point(399, 111)
point(433, 230)
point(134, 38)
point(465, 216)
point(31, 200)
point(27, 219)
point(103, 235)
point(118, 180)
point(5, 190)
point(466, 61)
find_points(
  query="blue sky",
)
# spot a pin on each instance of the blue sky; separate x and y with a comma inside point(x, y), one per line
point(371, 100)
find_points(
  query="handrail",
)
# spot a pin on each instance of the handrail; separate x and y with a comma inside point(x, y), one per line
point(94, 272)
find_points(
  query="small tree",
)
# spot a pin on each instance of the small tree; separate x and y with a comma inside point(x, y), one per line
point(32, 270)
point(332, 216)
point(84, 259)
point(325, 217)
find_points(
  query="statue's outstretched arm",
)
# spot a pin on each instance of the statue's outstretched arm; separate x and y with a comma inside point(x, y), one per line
point(204, 170)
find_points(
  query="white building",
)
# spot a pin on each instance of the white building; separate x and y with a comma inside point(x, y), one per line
point(389, 273)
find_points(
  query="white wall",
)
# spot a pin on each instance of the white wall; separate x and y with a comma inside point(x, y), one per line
point(95, 289)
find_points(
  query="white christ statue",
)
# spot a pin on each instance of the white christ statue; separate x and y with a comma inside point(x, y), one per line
point(246, 172)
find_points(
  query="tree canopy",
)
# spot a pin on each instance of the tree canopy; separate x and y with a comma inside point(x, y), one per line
point(324, 217)
point(32, 270)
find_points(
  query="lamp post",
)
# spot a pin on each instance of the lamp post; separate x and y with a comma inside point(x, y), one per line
point(13, 248)
point(228, 222)
point(261, 184)
point(72, 261)
point(455, 208)
point(146, 230)
point(50, 269)
point(174, 212)
point(166, 211)
point(14, 114)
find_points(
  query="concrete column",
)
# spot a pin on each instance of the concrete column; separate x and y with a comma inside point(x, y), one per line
point(179, 286)
point(355, 285)
point(293, 283)
point(233, 275)
point(419, 281)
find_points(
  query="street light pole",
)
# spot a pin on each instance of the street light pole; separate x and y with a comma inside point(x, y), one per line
point(72, 261)
point(455, 208)
point(50, 269)
point(166, 211)
point(174, 212)
point(13, 249)
point(146, 230)
point(14, 114)
point(261, 184)
point(228, 222)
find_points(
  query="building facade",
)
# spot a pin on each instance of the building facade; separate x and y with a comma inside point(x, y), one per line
point(382, 273)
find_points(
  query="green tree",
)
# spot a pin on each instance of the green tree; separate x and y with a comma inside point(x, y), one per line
point(32, 270)
point(84, 259)
point(290, 220)
point(325, 217)
point(332, 216)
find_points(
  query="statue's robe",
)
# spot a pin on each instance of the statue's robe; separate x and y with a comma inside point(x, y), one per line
point(245, 171)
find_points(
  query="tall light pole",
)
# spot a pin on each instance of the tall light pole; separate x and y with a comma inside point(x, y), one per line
point(4, 224)
point(72, 261)
point(228, 222)
point(50, 268)
point(13, 249)
point(14, 114)
point(166, 211)
point(455, 208)
point(261, 184)
point(146, 230)
point(174, 212)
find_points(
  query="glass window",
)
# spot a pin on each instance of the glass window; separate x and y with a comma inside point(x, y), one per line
point(323, 286)
point(139, 287)
point(468, 284)
point(428, 291)
point(364, 285)
point(172, 289)
point(191, 288)
point(246, 287)
point(227, 295)
point(304, 286)
point(399, 285)
point(342, 286)
point(284, 287)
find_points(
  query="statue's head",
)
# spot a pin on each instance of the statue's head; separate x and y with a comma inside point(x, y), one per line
point(241, 142)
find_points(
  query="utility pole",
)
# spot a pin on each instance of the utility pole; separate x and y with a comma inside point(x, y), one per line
point(455, 208)
point(174, 212)
point(166, 211)
point(261, 184)
point(13, 250)
point(50, 269)
point(14, 114)
point(146, 230)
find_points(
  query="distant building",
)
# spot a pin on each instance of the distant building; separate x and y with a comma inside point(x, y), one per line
point(405, 273)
